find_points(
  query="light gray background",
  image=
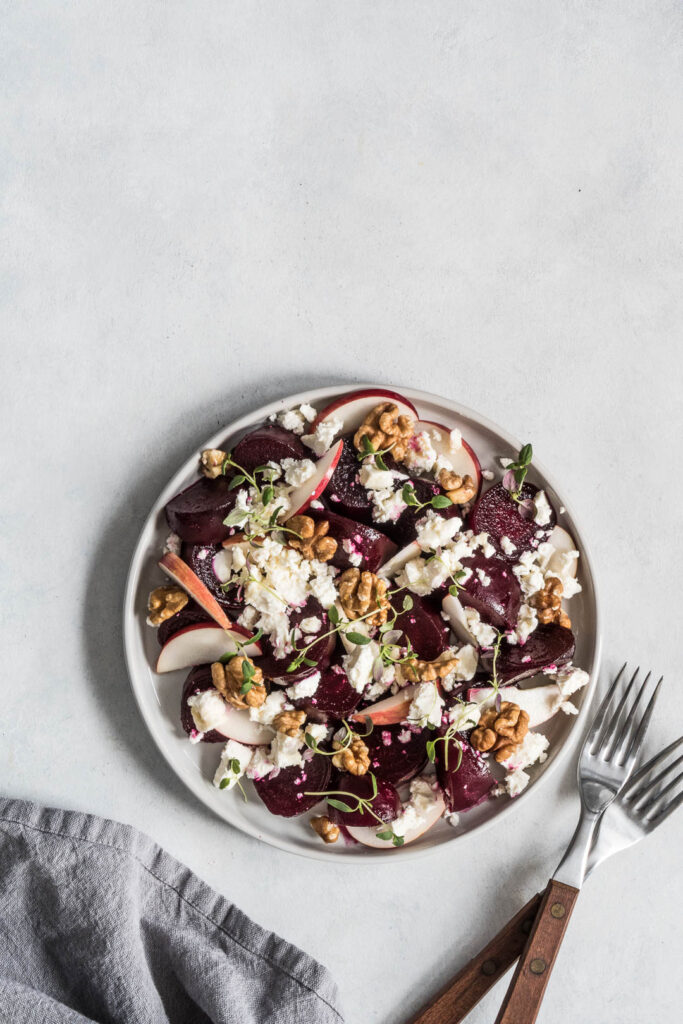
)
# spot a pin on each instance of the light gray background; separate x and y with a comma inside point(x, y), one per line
point(206, 205)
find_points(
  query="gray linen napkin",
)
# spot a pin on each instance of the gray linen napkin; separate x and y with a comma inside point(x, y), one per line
point(98, 924)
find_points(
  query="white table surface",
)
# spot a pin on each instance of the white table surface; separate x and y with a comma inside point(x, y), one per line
point(207, 205)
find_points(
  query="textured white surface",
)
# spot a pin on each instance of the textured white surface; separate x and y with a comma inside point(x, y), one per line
point(206, 205)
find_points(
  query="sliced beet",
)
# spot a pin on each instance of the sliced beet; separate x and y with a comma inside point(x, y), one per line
point(198, 681)
point(200, 558)
point(498, 602)
point(498, 515)
point(465, 781)
point(548, 645)
point(334, 698)
point(190, 615)
point(320, 652)
point(405, 528)
point(268, 443)
point(373, 546)
point(423, 626)
point(386, 804)
point(396, 753)
point(197, 513)
point(285, 793)
point(345, 493)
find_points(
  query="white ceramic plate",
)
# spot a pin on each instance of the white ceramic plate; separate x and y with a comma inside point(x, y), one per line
point(158, 697)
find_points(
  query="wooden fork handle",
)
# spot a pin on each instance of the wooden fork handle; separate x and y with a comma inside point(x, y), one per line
point(525, 994)
point(477, 977)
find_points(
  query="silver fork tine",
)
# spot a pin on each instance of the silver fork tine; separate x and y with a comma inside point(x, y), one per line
point(649, 807)
point(628, 725)
point(663, 815)
point(631, 790)
point(649, 789)
point(613, 725)
point(639, 733)
point(601, 715)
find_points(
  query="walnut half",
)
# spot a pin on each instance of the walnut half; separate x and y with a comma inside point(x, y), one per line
point(549, 603)
point(211, 462)
point(459, 489)
point(328, 832)
point(501, 732)
point(385, 428)
point(354, 758)
point(232, 678)
point(428, 671)
point(164, 602)
point(312, 541)
point(360, 593)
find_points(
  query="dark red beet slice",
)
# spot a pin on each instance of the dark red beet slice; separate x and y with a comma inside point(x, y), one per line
point(190, 615)
point(424, 627)
point(268, 444)
point(285, 792)
point(200, 558)
point(320, 652)
point(396, 760)
point(405, 528)
point(386, 805)
point(498, 602)
point(197, 513)
point(198, 681)
point(498, 515)
point(464, 782)
point(374, 547)
point(548, 645)
point(334, 698)
point(345, 493)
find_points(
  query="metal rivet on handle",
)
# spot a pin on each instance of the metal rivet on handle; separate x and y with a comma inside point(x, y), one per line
point(537, 966)
point(557, 910)
point(489, 967)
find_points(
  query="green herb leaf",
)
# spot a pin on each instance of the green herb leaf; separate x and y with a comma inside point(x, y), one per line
point(380, 463)
point(358, 638)
point(398, 840)
point(225, 658)
point(408, 494)
point(234, 765)
point(431, 750)
point(333, 614)
point(339, 805)
point(223, 783)
point(440, 501)
point(236, 481)
point(407, 603)
point(268, 494)
point(388, 835)
point(310, 662)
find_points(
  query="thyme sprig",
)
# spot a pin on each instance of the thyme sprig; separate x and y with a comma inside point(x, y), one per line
point(265, 491)
point(235, 768)
point(369, 451)
point(410, 498)
point(349, 736)
point(360, 803)
point(515, 473)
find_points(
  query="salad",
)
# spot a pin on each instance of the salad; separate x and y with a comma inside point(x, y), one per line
point(375, 628)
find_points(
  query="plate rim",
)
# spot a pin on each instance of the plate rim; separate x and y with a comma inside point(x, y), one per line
point(195, 782)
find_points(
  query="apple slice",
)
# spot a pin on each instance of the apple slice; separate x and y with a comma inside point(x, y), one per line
point(237, 725)
point(395, 564)
point(352, 409)
point(463, 459)
point(302, 496)
point(389, 711)
point(180, 573)
point(539, 702)
point(455, 615)
point(202, 643)
point(368, 836)
point(564, 543)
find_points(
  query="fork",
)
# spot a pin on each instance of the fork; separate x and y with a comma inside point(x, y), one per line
point(628, 820)
point(606, 761)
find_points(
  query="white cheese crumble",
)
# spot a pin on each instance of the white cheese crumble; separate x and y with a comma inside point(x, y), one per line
point(296, 419)
point(261, 764)
point(375, 479)
point(317, 731)
point(426, 706)
point(569, 679)
point(235, 759)
point(297, 471)
point(484, 634)
point(527, 621)
point(285, 751)
point(324, 434)
point(305, 687)
point(359, 665)
point(508, 547)
point(468, 661)
point(464, 715)
point(354, 555)
point(543, 513)
point(484, 579)
point(420, 455)
point(272, 706)
point(435, 532)
point(387, 505)
point(311, 625)
point(533, 748)
point(207, 708)
point(488, 474)
point(417, 810)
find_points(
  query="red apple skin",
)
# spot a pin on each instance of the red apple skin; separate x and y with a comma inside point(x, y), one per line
point(381, 394)
point(468, 448)
point(180, 573)
point(332, 458)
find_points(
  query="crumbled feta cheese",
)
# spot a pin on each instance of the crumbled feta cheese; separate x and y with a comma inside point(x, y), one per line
point(508, 547)
point(505, 462)
point(426, 705)
point(468, 661)
point(488, 474)
point(359, 665)
point(272, 706)
point(417, 810)
point(435, 532)
point(464, 715)
point(483, 578)
point(569, 679)
point(484, 634)
point(563, 565)
point(207, 708)
point(455, 440)
point(261, 764)
point(527, 621)
point(420, 455)
point(324, 434)
point(354, 555)
point(387, 505)
point(375, 479)
point(452, 818)
point(544, 513)
point(172, 544)
point(532, 749)
point(321, 583)
point(317, 731)
point(305, 687)
point(296, 419)
point(311, 625)
point(297, 471)
point(285, 751)
point(235, 759)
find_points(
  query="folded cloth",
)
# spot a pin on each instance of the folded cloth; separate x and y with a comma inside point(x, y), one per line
point(98, 924)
